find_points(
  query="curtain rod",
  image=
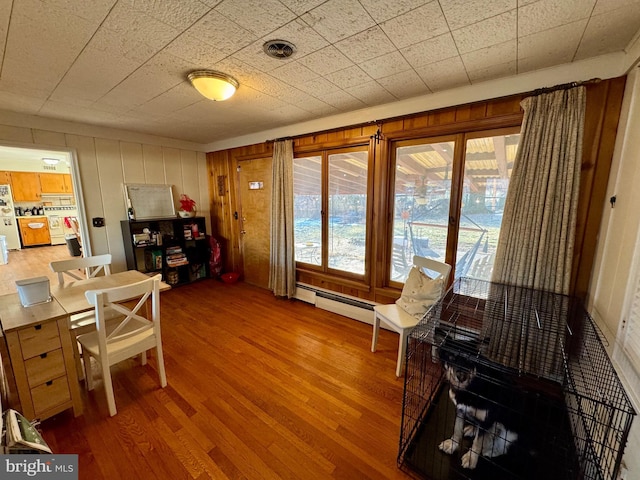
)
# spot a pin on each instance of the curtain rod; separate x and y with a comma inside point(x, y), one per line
point(563, 86)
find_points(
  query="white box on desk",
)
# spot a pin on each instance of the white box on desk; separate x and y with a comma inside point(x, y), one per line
point(33, 291)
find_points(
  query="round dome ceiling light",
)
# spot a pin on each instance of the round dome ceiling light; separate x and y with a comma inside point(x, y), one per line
point(279, 49)
point(213, 85)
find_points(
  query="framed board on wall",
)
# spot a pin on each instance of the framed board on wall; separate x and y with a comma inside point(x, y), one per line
point(149, 200)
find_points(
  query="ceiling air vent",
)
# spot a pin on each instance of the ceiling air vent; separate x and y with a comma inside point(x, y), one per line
point(279, 48)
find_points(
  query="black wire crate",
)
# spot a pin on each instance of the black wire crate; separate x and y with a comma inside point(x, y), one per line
point(506, 382)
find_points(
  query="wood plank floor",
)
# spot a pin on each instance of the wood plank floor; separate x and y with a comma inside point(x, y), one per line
point(258, 388)
point(28, 263)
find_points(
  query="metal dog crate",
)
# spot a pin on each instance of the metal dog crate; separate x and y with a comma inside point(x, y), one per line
point(541, 348)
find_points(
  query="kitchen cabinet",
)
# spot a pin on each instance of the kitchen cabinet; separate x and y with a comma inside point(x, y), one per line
point(26, 187)
point(41, 355)
point(34, 231)
point(56, 183)
point(5, 178)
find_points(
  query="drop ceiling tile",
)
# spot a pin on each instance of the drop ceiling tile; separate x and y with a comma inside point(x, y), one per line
point(429, 51)
point(385, 65)
point(382, 10)
point(349, 77)
point(417, 25)
point(20, 103)
point(180, 14)
point(135, 26)
point(39, 41)
point(338, 19)
point(193, 50)
point(550, 47)
point(318, 87)
point(547, 14)
point(5, 15)
point(257, 16)
point(461, 13)
point(371, 93)
point(609, 32)
point(294, 74)
point(493, 55)
point(326, 60)
point(93, 75)
point(496, 70)
point(404, 84)
point(221, 33)
point(491, 31)
point(343, 101)
point(366, 45)
point(604, 6)
point(177, 98)
point(302, 6)
point(449, 73)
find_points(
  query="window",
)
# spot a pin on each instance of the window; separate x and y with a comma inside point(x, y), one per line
point(450, 187)
point(336, 240)
point(487, 169)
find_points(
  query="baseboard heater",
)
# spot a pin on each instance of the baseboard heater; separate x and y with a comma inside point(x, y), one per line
point(345, 305)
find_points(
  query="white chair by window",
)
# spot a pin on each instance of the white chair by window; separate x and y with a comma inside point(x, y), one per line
point(137, 332)
point(426, 292)
point(73, 269)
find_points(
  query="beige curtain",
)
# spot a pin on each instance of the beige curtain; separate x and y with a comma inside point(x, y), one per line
point(282, 273)
point(536, 243)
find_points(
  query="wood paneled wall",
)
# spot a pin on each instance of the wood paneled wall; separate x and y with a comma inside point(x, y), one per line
point(603, 99)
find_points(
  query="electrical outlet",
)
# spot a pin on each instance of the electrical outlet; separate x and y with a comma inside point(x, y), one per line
point(98, 222)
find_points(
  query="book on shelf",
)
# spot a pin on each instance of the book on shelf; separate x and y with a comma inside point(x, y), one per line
point(177, 262)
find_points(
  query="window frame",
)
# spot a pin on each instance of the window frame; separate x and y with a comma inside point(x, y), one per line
point(459, 139)
point(324, 152)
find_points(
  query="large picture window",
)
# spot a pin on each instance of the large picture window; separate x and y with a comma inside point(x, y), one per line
point(331, 209)
point(450, 187)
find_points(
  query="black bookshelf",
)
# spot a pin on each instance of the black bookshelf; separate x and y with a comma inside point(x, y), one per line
point(176, 247)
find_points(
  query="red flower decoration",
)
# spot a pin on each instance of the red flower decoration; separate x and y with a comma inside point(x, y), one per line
point(186, 203)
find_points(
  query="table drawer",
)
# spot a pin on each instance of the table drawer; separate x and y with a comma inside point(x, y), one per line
point(39, 338)
point(45, 367)
point(50, 394)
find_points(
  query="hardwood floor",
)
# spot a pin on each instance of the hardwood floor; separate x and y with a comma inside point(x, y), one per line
point(258, 388)
point(28, 263)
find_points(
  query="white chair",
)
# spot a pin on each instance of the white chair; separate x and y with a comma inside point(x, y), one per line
point(91, 266)
point(399, 320)
point(73, 268)
point(136, 333)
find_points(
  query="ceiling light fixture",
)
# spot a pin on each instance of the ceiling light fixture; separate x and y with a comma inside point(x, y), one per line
point(213, 85)
point(50, 161)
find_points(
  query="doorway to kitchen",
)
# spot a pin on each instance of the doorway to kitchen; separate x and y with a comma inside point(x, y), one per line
point(41, 207)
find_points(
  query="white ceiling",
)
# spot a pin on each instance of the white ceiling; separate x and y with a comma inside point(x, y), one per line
point(123, 64)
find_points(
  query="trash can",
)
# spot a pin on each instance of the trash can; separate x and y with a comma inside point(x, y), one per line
point(73, 245)
point(4, 254)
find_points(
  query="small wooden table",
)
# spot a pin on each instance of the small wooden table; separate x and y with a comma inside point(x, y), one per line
point(71, 295)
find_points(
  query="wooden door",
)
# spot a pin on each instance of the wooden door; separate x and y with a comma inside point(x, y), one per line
point(26, 187)
point(254, 180)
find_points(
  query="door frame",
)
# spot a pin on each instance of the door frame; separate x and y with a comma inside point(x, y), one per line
point(75, 179)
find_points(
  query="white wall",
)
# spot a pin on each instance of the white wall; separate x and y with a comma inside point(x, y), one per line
point(105, 164)
point(616, 252)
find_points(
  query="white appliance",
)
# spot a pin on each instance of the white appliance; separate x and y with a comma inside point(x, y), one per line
point(8, 223)
point(55, 215)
